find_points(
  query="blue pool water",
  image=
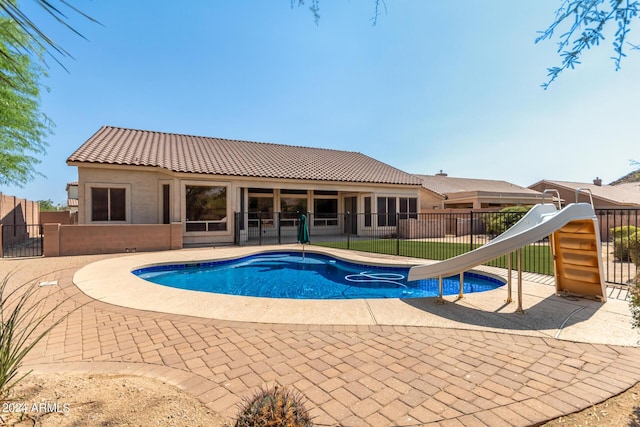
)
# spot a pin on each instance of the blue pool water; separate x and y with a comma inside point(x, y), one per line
point(316, 276)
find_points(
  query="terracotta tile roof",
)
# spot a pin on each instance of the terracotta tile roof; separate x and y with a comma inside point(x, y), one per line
point(449, 185)
point(216, 156)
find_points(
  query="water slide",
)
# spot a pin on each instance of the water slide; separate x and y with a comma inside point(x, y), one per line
point(575, 243)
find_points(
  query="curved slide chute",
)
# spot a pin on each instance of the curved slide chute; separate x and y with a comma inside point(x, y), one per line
point(575, 244)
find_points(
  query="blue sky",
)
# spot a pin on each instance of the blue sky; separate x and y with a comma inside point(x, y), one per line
point(452, 86)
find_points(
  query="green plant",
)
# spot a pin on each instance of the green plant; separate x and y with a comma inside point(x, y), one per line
point(274, 407)
point(626, 241)
point(634, 248)
point(621, 249)
point(22, 325)
point(499, 222)
point(634, 300)
point(632, 245)
point(623, 231)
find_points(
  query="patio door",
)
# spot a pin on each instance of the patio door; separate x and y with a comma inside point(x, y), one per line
point(351, 215)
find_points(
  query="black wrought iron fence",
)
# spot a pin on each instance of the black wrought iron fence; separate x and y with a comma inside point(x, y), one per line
point(439, 236)
point(620, 234)
point(25, 240)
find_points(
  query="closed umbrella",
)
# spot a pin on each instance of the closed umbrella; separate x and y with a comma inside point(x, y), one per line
point(303, 232)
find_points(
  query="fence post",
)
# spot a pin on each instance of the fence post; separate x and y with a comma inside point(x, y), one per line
point(236, 229)
point(348, 230)
point(279, 214)
point(259, 228)
point(471, 225)
point(397, 233)
point(519, 309)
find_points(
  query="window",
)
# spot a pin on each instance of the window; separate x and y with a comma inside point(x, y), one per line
point(367, 211)
point(206, 208)
point(408, 207)
point(386, 211)
point(166, 204)
point(260, 209)
point(325, 212)
point(291, 208)
point(108, 204)
point(260, 204)
point(293, 205)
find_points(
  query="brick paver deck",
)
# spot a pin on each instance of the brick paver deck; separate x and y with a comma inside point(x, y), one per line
point(352, 375)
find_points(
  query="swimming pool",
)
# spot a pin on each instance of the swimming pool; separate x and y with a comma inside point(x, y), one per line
point(314, 276)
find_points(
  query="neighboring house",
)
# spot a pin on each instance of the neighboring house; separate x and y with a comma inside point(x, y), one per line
point(72, 196)
point(604, 196)
point(441, 191)
point(128, 176)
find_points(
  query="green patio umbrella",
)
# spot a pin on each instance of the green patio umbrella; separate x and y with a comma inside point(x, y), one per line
point(303, 232)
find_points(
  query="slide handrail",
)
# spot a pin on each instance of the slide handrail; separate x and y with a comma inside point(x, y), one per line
point(553, 190)
point(578, 190)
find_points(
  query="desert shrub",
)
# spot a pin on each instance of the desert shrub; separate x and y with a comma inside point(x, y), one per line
point(634, 248)
point(633, 245)
point(626, 246)
point(274, 407)
point(634, 300)
point(499, 222)
point(621, 249)
point(623, 231)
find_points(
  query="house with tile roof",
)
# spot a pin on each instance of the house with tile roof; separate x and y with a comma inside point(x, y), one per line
point(604, 196)
point(218, 188)
point(72, 196)
point(441, 191)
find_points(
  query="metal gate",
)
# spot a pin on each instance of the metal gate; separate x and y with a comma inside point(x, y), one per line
point(24, 240)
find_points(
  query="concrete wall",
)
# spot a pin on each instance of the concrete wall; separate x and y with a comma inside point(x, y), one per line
point(57, 217)
point(17, 211)
point(64, 240)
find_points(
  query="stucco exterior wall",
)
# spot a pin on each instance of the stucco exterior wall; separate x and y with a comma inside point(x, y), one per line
point(143, 189)
point(429, 200)
point(142, 192)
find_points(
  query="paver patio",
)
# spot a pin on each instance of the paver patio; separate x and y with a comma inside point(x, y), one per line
point(352, 375)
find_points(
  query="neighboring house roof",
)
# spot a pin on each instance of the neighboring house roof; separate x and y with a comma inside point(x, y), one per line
point(447, 185)
point(630, 186)
point(616, 194)
point(217, 156)
point(72, 203)
point(628, 178)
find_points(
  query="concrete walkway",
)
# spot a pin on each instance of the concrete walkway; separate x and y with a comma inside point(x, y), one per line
point(471, 362)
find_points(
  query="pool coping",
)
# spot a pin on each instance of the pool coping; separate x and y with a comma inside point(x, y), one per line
point(112, 282)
